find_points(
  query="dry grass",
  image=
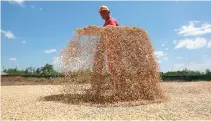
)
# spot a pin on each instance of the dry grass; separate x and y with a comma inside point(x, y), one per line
point(133, 67)
point(187, 101)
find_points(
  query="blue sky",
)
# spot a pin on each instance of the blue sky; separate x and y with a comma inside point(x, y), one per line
point(33, 33)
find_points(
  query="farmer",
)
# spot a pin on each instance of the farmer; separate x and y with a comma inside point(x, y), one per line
point(105, 14)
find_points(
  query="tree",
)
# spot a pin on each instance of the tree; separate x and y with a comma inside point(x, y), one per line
point(47, 69)
point(38, 71)
point(208, 72)
point(26, 71)
point(5, 71)
point(15, 70)
point(34, 70)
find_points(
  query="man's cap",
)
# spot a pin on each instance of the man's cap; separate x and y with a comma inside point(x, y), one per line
point(103, 7)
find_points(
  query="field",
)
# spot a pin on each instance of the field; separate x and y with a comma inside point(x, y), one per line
point(187, 100)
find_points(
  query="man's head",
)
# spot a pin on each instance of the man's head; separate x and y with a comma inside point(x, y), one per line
point(104, 12)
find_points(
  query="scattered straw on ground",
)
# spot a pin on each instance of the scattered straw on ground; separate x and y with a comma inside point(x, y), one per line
point(188, 101)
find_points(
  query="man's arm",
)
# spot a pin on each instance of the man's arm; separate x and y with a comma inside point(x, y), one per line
point(117, 24)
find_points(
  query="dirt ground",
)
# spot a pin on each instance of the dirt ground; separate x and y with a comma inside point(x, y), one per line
point(187, 101)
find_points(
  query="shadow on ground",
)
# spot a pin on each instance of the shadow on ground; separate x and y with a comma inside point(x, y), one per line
point(79, 99)
point(88, 100)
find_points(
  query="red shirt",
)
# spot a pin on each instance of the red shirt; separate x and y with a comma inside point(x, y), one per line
point(111, 21)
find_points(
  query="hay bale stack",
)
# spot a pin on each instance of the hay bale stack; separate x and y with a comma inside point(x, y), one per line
point(134, 71)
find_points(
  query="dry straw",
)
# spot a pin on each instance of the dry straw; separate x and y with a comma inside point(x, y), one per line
point(133, 73)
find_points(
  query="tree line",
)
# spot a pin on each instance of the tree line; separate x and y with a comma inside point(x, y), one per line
point(48, 71)
point(186, 75)
point(187, 72)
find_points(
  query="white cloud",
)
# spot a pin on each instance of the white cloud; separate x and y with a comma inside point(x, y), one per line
point(166, 49)
point(166, 58)
point(159, 54)
point(209, 45)
point(163, 45)
point(191, 43)
point(57, 63)
point(23, 42)
point(12, 59)
point(158, 61)
point(179, 58)
point(175, 42)
point(19, 2)
point(201, 65)
point(8, 34)
point(41, 9)
point(192, 30)
point(50, 51)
